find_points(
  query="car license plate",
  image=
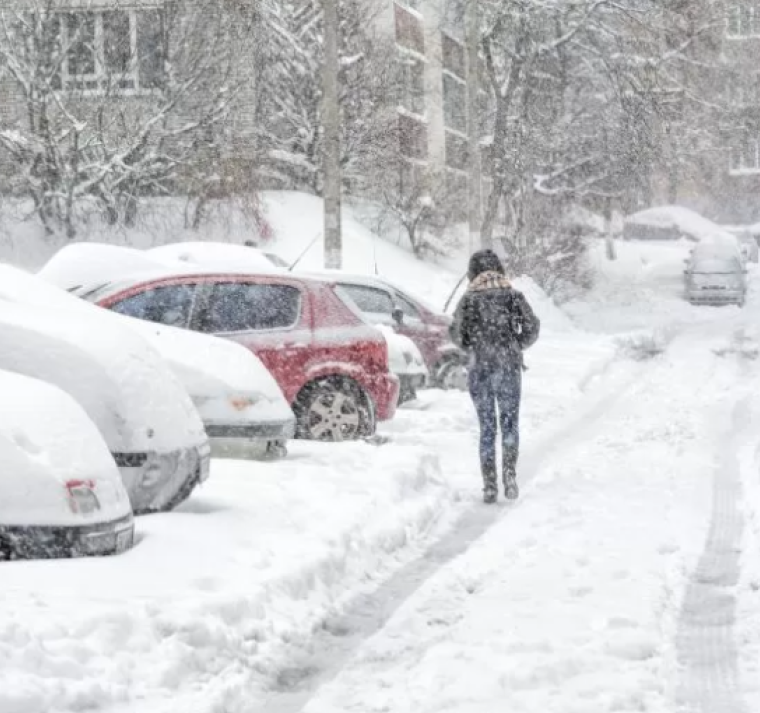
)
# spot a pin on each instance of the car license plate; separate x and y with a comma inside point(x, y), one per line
point(123, 540)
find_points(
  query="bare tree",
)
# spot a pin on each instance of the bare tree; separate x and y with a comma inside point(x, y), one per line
point(292, 92)
point(418, 199)
point(117, 103)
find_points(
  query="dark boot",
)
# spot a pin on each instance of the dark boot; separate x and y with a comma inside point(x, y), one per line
point(511, 491)
point(490, 488)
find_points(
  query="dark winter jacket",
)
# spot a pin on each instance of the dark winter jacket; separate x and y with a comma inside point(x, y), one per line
point(493, 321)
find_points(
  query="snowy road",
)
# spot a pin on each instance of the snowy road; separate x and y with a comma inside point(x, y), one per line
point(366, 579)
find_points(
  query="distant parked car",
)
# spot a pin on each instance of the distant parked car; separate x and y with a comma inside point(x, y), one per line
point(332, 367)
point(382, 302)
point(60, 491)
point(715, 275)
point(671, 222)
point(143, 413)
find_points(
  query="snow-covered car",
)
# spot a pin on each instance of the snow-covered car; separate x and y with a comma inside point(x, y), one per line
point(60, 490)
point(671, 222)
point(243, 409)
point(715, 274)
point(143, 412)
point(405, 362)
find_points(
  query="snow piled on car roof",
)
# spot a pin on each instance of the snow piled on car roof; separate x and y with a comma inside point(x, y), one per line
point(216, 255)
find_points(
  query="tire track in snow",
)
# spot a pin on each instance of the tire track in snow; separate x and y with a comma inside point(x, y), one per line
point(332, 646)
point(705, 638)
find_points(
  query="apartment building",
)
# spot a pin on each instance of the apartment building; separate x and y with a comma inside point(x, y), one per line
point(432, 111)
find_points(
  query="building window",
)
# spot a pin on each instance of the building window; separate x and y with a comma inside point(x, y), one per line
point(412, 179)
point(112, 50)
point(413, 137)
point(412, 83)
point(457, 152)
point(744, 157)
point(454, 103)
point(453, 56)
point(487, 162)
point(457, 185)
point(409, 31)
point(743, 20)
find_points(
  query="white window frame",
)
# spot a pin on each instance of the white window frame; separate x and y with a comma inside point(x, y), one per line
point(740, 26)
point(102, 82)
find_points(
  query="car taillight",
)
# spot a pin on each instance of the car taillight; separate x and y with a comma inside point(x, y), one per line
point(241, 403)
point(81, 497)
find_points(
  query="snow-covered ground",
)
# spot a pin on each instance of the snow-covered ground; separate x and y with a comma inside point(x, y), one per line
point(207, 611)
point(371, 578)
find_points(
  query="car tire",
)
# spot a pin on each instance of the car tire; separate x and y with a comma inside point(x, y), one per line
point(6, 550)
point(407, 391)
point(184, 492)
point(451, 375)
point(334, 409)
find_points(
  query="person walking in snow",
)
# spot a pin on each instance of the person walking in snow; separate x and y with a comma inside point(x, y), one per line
point(494, 324)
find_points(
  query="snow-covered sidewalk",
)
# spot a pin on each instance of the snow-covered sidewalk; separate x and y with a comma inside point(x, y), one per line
point(571, 602)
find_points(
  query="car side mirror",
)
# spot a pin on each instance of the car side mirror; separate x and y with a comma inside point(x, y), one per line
point(398, 315)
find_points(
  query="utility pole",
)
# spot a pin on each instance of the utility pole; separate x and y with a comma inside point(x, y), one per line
point(474, 198)
point(333, 256)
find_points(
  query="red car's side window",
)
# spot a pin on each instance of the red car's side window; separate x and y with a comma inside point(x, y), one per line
point(170, 305)
point(245, 307)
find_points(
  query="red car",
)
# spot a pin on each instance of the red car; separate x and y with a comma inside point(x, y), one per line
point(331, 365)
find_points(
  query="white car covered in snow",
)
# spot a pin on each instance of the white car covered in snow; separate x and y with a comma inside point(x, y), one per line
point(715, 274)
point(60, 490)
point(142, 411)
point(242, 407)
point(672, 222)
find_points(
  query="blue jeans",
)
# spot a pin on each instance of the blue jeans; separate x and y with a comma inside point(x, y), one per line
point(497, 388)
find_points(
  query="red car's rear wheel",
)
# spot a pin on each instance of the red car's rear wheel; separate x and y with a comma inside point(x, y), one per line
point(334, 409)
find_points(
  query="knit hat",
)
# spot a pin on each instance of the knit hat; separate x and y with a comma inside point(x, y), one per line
point(484, 261)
